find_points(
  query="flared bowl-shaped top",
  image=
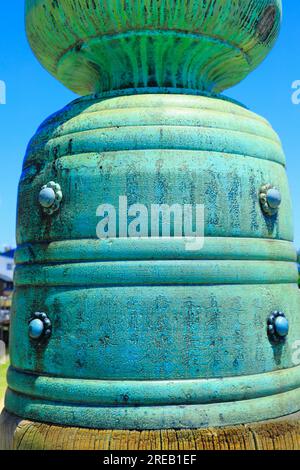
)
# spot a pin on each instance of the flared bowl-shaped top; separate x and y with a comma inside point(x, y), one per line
point(95, 46)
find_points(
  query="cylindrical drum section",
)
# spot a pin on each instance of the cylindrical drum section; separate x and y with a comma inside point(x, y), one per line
point(125, 316)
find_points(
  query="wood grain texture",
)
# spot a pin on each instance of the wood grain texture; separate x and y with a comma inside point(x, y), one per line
point(282, 434)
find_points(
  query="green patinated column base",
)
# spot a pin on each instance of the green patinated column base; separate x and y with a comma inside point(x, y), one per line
point(280, 434)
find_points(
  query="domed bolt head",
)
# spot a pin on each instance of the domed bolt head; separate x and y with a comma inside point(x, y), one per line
point(50, 197)
point(47, 197)
point(281, 327)
point(274, 198)
point(36, 329)
point(270, 199)
point(278, 327)
point(40, 327)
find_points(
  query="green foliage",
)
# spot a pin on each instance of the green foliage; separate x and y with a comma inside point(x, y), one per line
point(3, 370)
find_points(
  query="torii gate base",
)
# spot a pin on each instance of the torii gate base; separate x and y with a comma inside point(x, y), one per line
point(280, 434)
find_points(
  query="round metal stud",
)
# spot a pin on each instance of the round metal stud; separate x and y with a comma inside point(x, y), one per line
point(270, 199)
point(282, 326)
point(274, 198)
point(36, 329)
point(50, 197)
point(47, 197)
point(278, 327)
point(40, 326)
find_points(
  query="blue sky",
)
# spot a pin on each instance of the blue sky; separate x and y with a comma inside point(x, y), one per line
point(32, 95)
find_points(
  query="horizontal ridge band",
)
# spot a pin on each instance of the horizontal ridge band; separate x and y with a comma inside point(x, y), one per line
point(154, 417)
point(153, 273)
point(153, 393)
point(122, 249)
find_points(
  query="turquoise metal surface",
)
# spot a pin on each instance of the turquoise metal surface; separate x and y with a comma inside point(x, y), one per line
point(111, 45)
point(147, 334)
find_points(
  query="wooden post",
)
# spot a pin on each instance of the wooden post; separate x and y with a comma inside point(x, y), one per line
point(281, 434)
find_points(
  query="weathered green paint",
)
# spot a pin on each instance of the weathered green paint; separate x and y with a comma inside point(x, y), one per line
point(155, 417)
point(146, 334)
point(146, 319)
point(150, 147)
point(112, 44)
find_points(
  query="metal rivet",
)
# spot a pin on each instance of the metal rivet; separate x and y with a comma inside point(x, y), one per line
point(36, 329)
point(39, 326)
point(278, 327)
point(47, 197)
point(47, 323)
point(281, 326)
point(274, 198)
point(270, 199)
point(50, 197)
